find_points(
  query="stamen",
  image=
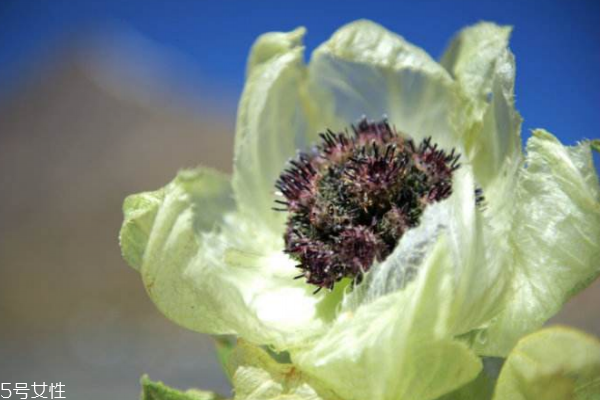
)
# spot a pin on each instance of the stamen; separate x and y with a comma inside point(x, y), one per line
point(351, 200)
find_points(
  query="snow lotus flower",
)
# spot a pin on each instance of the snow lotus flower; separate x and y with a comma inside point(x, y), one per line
point(457, 263)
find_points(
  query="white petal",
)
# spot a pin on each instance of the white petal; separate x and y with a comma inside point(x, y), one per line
point(554, 238)
point(484, 68)
point(367, 70)
point(398, 345)
point(274, 118)
point(213, 272)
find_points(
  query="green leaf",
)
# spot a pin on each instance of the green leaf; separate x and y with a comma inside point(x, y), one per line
point(159, 391)
point(553, 239)
point(555, 363)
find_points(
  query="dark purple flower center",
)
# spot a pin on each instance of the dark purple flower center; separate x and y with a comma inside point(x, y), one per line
point(352, 198)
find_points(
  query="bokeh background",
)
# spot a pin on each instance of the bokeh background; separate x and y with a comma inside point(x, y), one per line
point(102, 99)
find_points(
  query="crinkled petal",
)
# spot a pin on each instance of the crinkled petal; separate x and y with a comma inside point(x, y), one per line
point(554, 238)
point(162, 234)
point(366, 70)
point(258, 376)
point(397, 346)
point(213, 272)
point(553, 364)
point(274, 118)
point(484, 68)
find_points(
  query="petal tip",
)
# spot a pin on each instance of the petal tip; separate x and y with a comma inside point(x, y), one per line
point(563, 331)
point(273, 44)
point(491, 28)
point(543, 134)
point(139, 211)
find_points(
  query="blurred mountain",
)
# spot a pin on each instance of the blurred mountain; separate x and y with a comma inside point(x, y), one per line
point(87, 128)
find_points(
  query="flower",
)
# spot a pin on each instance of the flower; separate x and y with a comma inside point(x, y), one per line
point(464, 280)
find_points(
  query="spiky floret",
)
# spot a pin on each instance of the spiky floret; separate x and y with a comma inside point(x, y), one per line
point(352, 198)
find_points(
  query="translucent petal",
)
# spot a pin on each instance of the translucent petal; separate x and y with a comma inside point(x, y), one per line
point(274, 116)
point(397, 346)
point(484, 69)
point(161, 234)
point(554, 238)
point(481, 279)
point(553, 364)
point(366, 70)
point(483, 66)
point(213, 272)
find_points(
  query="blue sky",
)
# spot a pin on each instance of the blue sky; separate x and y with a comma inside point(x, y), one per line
point(556, 43)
